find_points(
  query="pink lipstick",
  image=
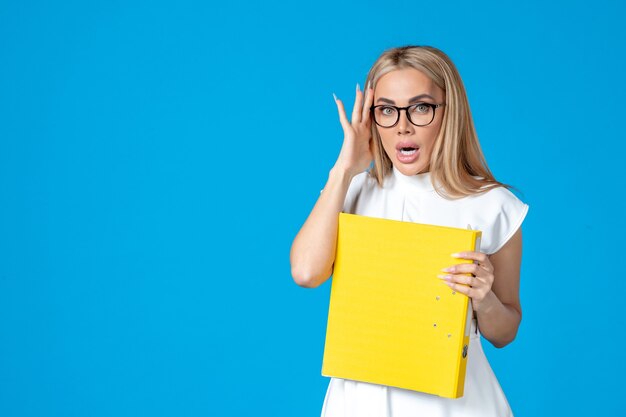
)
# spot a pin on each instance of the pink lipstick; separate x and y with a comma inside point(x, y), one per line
point(407, 152)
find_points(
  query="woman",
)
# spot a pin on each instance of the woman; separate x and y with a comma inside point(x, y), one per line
point(414, 122)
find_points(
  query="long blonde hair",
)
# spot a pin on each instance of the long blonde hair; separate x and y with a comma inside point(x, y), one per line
point(456, 157)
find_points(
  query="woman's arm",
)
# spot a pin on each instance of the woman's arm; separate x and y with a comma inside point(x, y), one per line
point(495, 290)
point(313, 250)
point(500, 313)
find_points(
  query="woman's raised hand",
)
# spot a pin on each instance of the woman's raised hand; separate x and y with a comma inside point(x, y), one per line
point(356, 152)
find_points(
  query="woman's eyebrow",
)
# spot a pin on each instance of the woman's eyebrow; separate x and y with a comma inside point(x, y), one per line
point(411, 100)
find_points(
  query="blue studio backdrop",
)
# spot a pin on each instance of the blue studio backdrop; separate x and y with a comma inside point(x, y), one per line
point(158, 158)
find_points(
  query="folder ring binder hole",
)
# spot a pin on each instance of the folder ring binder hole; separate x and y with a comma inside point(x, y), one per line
point(437, 298)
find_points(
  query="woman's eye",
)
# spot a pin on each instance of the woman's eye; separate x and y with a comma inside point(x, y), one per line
point(387, 110)
point(421, 108)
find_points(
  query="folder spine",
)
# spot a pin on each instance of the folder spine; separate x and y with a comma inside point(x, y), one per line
point(460, 383)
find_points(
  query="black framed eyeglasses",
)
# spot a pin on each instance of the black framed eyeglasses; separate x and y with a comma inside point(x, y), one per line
point(420, 114)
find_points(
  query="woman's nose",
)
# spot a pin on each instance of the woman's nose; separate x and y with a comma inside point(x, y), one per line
point(404, 125)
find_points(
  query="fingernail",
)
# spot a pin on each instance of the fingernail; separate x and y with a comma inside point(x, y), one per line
point(357, 87)
point(335, 96)
point(450, 269)
point(446, 277)
point(456, 255)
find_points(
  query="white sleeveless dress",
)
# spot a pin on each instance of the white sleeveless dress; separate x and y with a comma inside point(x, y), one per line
point(498, 213)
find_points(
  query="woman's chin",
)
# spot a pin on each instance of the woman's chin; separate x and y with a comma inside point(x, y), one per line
point(411, 170)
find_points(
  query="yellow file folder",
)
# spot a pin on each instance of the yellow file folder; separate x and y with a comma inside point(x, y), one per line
point(391, 320)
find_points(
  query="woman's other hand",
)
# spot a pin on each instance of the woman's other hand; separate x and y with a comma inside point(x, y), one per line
point(477, 286)
point(356, 152)
point(496, 302)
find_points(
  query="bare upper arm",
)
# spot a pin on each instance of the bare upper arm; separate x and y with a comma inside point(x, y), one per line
point(507, 263)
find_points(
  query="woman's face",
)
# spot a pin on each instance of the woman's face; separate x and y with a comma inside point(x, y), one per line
point(401, 88)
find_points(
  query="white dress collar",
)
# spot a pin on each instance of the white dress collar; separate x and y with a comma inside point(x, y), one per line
point(419, 183)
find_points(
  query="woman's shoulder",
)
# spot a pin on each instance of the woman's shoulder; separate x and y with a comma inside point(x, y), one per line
point(365, 178)
point(495, 195)
point(360, 184)
point(503, 213)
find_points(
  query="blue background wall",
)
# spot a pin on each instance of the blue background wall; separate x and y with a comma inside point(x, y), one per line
point(157, 159)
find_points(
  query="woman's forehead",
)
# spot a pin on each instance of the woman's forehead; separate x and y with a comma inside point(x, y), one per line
point(405, 84)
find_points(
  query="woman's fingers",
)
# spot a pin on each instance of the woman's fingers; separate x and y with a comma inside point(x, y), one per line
point(473, 287)
point(369, 99)
point(472, 268)
point(476, 286)
point(465, 268)
point(358, 106)
point(463, 289)
point(480, 257)
point(360, 111)
point(343, 119)
point(460, 279)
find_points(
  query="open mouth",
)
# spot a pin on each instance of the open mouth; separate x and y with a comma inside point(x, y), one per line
point(408, 151)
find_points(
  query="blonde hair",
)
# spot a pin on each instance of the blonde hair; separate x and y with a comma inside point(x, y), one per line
point(456, 157)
